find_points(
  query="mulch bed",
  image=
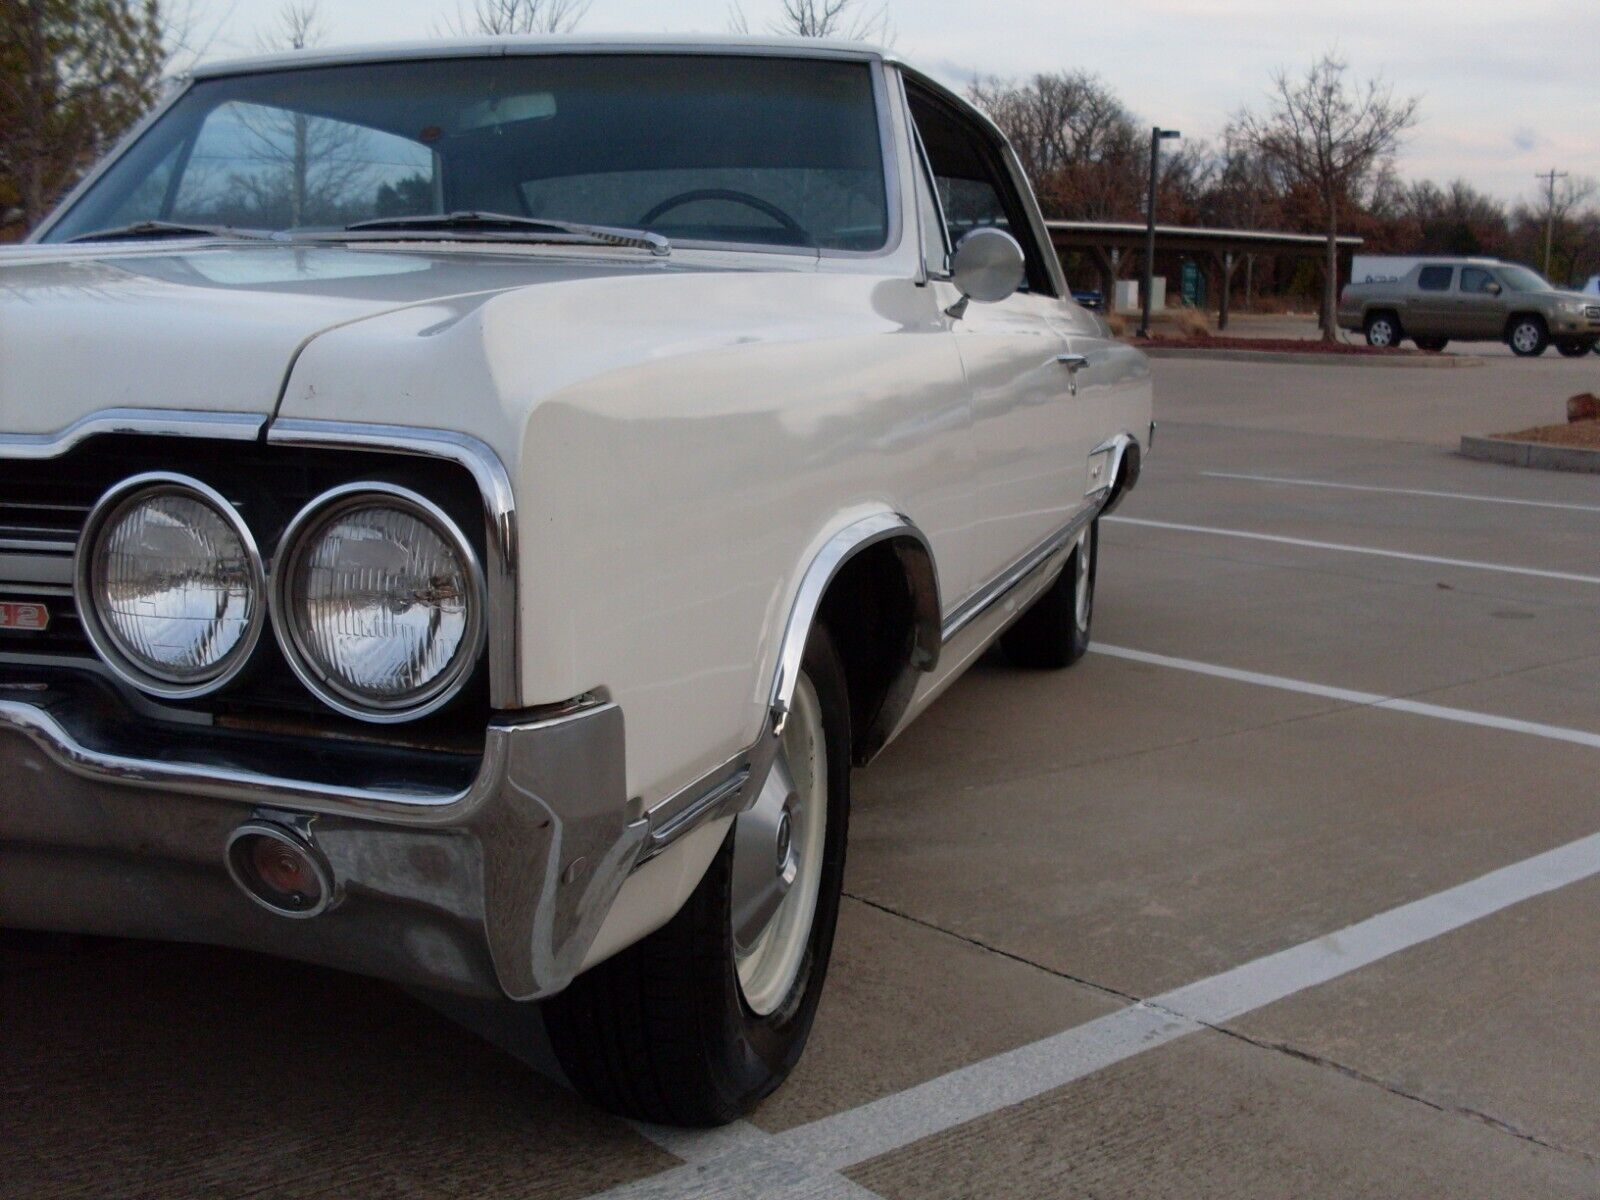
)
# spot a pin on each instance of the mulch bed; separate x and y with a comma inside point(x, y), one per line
point(1573, 433)
point(1277, 345)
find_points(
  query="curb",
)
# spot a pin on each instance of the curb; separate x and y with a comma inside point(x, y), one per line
point(1538, 455)
point(1435, 362)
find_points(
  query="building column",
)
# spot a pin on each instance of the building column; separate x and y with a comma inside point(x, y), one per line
point(1225, 265)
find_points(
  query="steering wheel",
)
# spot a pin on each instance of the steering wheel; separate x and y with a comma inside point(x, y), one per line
point(765, 207)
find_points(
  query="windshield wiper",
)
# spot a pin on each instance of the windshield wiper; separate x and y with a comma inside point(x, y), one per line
point(166, 229)
point(503, 224)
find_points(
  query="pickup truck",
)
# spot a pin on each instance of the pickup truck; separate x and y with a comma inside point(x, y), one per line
point(1444, 300)
point(466, 508)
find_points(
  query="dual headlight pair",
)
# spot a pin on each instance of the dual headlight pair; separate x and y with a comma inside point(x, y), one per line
point(375, 597)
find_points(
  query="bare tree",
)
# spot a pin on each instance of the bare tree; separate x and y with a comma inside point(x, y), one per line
point(74, 74)
point(505, 18)
point(298, 25)
point(850, 20)
point(1330, 136)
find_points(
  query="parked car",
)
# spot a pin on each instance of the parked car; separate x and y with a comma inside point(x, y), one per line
point(467, 509)
point(1093, 300)
point(1472, 300)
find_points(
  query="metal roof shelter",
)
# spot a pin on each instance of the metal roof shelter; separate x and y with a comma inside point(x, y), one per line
point(1099, 239)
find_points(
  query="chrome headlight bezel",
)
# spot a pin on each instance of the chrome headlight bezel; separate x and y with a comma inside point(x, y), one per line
point(336, 694)
point(115, 501)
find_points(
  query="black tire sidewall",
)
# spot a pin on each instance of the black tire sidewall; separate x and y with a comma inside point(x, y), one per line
point(1394, 325)
point(1540, 343)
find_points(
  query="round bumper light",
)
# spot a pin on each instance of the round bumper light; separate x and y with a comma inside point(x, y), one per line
point(279, 870)
point(170, 585)
point(378, 603)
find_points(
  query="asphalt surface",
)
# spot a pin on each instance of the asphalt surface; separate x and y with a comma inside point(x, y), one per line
point(1290, 889)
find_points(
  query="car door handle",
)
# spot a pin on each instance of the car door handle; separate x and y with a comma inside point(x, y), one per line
point(1073, 363)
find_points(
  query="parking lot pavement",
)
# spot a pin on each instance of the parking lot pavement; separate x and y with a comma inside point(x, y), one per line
point(1289, 889)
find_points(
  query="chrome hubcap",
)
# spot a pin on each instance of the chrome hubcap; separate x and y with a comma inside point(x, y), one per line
point(1526, 337)
point(777, 860)
point(1382, 333)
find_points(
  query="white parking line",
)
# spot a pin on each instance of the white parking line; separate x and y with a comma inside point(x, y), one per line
point(1462, 716)
point(806, 1161)
point(1342, 548)
point(1394, 491)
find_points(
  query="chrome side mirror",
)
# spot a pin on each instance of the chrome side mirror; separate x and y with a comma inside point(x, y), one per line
point(1494, 289)
point(988, 267)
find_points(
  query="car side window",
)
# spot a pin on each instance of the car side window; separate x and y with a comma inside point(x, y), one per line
point(975, 189)
point(1475, 279)
point(1435, 279)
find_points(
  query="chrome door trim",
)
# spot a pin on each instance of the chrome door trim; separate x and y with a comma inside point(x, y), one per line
point(499, 516)
point(1018, 573)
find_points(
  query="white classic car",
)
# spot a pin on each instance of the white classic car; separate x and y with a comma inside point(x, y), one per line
point(466, 508)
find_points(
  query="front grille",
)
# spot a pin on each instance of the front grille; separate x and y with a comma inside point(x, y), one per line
point(44, 505)
point(39, 526)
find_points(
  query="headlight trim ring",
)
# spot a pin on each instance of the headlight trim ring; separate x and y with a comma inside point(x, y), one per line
point(318, 514)
point(114, 501)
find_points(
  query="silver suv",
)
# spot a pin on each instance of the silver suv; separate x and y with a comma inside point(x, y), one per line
point(1473, 300)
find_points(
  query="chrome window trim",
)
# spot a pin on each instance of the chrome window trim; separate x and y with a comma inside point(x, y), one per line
point(337, 696)
point(501, 618)
point(104, 642)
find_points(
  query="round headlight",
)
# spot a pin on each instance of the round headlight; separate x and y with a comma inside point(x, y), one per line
point(378, 602)
point(170, 586)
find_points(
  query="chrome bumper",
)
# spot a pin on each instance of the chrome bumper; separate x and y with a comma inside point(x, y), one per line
point(496, 891)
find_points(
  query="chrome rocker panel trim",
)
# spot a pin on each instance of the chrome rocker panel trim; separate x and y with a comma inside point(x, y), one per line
point(495, 891)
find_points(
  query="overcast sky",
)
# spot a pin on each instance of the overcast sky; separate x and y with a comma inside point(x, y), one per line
point(1509, 87)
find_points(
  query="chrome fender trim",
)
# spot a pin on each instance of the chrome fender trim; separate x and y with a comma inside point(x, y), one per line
point(499, 516)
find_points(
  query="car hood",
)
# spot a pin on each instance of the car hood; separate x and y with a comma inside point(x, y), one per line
point(217, 328)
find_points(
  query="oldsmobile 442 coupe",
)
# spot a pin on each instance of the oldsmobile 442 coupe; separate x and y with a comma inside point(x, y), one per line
point(465, 510)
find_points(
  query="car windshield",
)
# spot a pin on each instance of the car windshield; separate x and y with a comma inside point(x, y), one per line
point(701, 149)
point(1521, 279)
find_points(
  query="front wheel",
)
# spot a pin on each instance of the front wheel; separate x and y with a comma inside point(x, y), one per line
point(698, 1022)
point(1576, 347)
point(1054, 632)
point(1432, 345)
point(1528, 337)
point(1383, 331)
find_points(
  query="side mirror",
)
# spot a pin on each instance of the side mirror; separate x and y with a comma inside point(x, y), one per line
point(988, 267)
point(1494, 289)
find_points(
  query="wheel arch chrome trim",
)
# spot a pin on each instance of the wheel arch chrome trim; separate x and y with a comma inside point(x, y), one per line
point(922, 579)
point(499, 515)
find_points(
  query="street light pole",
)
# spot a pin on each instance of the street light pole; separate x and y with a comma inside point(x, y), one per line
point(1550, 177)
point(1157, 136)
